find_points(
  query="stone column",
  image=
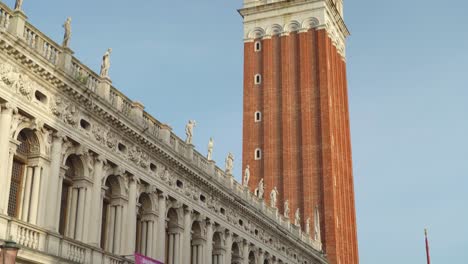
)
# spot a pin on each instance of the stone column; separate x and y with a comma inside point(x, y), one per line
point(177, 247)
point(209, 242)
point(131, 217)
point(144, 232)
point(228, 257)
point(73, 205)
point(246, 253)
point(6, 115)
point(261, 256)
point(94, 235)
point(51, 215)
point(149, 238)
point(187, 235)
point(80, 213)
point(36, 184)
point(161, 243)
point(58, 198)
point(26, 195)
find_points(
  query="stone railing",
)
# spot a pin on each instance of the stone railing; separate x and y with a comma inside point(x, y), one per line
point(30, 237)
point(91, 81)
point(5, 15)
point(84, 75)
point(47, 48)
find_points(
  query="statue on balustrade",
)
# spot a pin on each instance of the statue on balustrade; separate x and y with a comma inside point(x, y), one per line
point(106, 64)
point(286, 209)
point(246, 176)
point(19, 5)
point(209, 156)
point(307, 228)
point(274, 197)
point(297, 217)
point(68, 32)
point(189, 131)
point(260, 191)
point(229, 163)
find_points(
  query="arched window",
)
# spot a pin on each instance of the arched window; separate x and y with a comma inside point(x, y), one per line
point(172, 237)
point(236, 255)
point(24, 192)
point(218, 250)
point(112, 227)
point(196, 254)
point(73, 199)
point(258, 79)
point(258, 116)
point(145, 226)
point(252, 258)
point(257, 46)
point(258, 154)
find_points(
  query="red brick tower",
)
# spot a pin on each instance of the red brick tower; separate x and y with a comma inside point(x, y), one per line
point(296, 119)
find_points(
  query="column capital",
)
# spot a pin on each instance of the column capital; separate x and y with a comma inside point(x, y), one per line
point(8, 108)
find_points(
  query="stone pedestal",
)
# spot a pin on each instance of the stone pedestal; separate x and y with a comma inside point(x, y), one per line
point(103, 89)
point(211, 167)
point(17, 23)
point(190, 148)
point(65, 60)
point(137, 112)
point(165, 133)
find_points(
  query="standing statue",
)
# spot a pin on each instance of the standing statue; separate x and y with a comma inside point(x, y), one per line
point(68, 32)
point(307, 229)
point(286, 209)
point(246, 176)
point(261, 189)
point(274, 197)
point(209, 156)
point(317, 235)
point(106, 64)
point(229, 163)
point(19, 5)
point(189, 131)
point(297, 217)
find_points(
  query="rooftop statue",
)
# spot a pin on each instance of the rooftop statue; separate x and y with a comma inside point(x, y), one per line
point(297, 217)
point(189, 131)
point(274, 197)
point(261, 189)
point(209, 156)
point(106, 64)
point(229, 163)
point(19, 5)
point(286, 208)
point(68, 33)
point(246, 176)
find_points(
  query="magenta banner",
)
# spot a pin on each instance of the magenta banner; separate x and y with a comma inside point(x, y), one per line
point(139, 259)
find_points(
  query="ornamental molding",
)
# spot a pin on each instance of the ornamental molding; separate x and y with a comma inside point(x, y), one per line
point(69, 103)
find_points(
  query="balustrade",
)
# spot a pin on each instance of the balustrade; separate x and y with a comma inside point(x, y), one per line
point(5, 16)
point(84, 76)
point(73, 252)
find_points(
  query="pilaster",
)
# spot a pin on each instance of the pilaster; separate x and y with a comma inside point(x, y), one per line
point(131, 216)
point(54, 184)
point(7, 110)
point(209, 242)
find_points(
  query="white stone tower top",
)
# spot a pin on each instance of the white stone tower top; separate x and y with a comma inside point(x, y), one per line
point(264, 18)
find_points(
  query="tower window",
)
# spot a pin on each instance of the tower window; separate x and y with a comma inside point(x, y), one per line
point(258, 46)
point(258, 117)
point(258, 79)
point(258, 154)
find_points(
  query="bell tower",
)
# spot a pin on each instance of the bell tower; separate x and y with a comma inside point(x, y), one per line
point(296, 133)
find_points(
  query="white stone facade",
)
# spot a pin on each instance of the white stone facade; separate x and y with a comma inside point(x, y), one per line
point(87, 176)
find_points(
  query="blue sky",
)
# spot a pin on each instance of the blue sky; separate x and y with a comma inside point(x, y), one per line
point(408, 90)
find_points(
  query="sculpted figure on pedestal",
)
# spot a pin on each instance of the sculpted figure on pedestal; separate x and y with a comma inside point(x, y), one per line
point(307, 229)
point(68, 32)
point(260, 189)
point(297, 217)
point(286, 208)
point(106, 64)
point(229, 163)
point(274, 197)
point(209, 156)
point(19, 5)
point(317, 224)
point(189, 131)
point(246, 176)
